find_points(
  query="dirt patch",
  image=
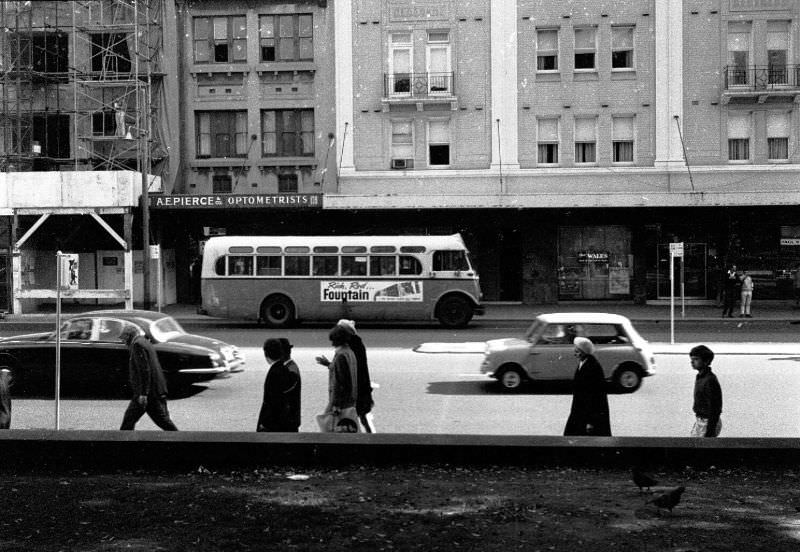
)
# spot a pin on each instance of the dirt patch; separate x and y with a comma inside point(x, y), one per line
point(402, 508)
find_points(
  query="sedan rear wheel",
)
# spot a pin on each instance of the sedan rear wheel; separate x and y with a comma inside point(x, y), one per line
point(511, 379)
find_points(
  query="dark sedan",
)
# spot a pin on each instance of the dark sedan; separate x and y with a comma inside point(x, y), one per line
point(93, 358)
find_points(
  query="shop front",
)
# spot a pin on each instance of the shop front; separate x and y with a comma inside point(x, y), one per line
point(594, 263)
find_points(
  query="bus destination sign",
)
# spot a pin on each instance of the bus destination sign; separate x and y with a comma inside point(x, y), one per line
point(236, 201)
point(375, 291)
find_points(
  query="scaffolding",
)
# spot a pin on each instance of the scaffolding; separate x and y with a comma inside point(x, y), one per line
point(81, 85)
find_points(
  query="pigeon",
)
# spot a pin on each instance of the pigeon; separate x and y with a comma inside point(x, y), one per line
point(669, 499)
point(642, 479)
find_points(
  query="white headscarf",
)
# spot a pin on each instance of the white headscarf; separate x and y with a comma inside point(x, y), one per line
point(584, 345)
point(348, 325)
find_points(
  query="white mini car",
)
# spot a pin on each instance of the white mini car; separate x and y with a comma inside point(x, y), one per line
point(546, 353)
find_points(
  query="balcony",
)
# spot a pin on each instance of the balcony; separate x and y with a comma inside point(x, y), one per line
point(420, 90)
point(761, 84)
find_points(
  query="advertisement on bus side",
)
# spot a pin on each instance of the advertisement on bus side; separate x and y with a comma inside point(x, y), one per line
point(355, 291)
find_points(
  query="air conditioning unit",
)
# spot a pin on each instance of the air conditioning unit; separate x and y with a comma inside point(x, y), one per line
point(402, 164)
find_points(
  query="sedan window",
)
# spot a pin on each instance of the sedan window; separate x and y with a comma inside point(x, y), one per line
point(77, 330)
point(165, 329)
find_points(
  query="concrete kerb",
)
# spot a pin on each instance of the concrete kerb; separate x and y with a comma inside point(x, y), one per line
point(111, 450)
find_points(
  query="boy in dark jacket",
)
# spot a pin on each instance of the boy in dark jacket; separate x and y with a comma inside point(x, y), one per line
point(707, 394)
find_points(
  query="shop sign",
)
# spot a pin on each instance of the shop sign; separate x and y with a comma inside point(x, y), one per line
point(760, 5)
point(370, 292)
point(406, 12)
point(236, 201)
point(790, 241)
point(593, 257)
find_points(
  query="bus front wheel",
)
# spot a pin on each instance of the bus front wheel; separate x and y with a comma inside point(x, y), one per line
point(454, 312)
point(277, 311)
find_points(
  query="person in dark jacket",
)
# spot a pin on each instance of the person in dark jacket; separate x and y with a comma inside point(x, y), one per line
point(148, 385)
point(278, 405)
point(589, 413)
point(294, 392)
point(5, 398)
point(732, 285)
point(364, 402)
point(707, 394)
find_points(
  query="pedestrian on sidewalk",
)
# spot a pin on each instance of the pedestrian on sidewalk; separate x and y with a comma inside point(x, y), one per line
point(796, 282)
point(747, 294)
point(589, 413)
point(340, 414)
point(280, 406)
point(707, 394)
point(5, 398)
point(731, 292)
point(148, 385)
point(364, 402)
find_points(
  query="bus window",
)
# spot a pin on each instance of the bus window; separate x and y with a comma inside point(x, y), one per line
point(410, 265)
point(240, 266)
point(354, 249)
point(327, 265)
point(450, 260)
point(382, 249)
point(296, 265)
point(354, 266)
point(219, 266)
point(382, 266)
point(268, 265)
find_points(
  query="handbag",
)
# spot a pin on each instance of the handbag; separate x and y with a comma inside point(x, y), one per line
point(344, 420)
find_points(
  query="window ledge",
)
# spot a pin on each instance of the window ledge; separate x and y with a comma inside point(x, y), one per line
point(216, 68)
point(778, 161)
point(309, 161)
point(623, 163)
point(739, 162)
point(283, 66)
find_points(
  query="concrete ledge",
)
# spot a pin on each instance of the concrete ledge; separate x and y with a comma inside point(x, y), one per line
point(49, 449)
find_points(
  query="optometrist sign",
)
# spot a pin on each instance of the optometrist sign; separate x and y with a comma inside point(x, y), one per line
point(236, 201)
point(362, 291)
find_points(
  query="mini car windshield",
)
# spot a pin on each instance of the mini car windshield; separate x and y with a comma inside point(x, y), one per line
point(534, 330)
point(165, 329)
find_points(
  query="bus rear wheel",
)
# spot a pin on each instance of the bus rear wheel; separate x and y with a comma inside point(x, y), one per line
point(277, 311)
point(454, 312)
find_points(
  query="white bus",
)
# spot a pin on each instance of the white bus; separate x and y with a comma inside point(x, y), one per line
point(280, 280)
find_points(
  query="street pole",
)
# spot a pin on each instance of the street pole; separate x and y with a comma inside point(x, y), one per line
point(59, 277)
point(671, 298)
point(145, 224)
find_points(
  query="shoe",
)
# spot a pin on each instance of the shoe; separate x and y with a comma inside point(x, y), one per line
point(748, 316)
point(730, 316)
point(741, 316)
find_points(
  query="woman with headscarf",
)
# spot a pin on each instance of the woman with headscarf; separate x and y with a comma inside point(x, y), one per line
point(589, 412)
point(342, 382)
point(364, 402)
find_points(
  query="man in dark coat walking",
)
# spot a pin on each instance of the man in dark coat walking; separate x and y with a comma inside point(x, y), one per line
point(733, 286)
point(589, 413)
point(148, 385)
point(279, 404)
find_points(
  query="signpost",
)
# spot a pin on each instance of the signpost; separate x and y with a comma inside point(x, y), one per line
point(155, 253)
point(66, 279)
point(675, 250)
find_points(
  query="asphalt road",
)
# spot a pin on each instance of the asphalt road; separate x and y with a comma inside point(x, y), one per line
point(443, 393)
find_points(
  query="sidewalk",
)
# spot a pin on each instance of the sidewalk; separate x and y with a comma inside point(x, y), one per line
point(763, 311)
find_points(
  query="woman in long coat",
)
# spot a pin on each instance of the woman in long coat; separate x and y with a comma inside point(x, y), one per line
point(589, 413)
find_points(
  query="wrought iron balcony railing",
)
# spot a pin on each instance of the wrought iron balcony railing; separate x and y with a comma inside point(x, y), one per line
point(418, 85)
point(762, 77)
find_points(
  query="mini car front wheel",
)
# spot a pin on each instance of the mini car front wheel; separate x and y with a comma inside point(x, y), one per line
point(628, 378)
point(511, 378)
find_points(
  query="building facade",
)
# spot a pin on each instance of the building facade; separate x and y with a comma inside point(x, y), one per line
point(569, 142)
point(572, 142)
